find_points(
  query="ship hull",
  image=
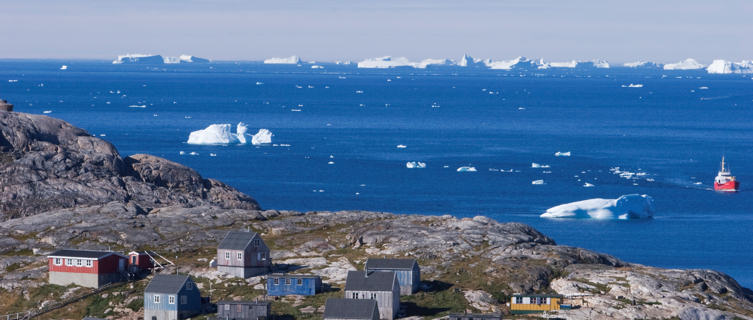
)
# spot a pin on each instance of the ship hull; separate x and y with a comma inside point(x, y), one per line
point(730, 186)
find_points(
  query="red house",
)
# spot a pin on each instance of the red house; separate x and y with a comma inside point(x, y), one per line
point(139, 261)
point(86, 268)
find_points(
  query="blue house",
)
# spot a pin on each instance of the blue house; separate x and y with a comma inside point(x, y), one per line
point(407, 270)
point(171, 297)
point(293, 284)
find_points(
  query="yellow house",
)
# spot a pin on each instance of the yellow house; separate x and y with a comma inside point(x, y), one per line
point(534, 303)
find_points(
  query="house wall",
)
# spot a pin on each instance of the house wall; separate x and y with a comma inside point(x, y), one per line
point(553, 304)
point(90, 280)
point(308, 287)
point(166, 311)
point(242, 311)
point(408, 279)
point(100, 273)
point(388, 302)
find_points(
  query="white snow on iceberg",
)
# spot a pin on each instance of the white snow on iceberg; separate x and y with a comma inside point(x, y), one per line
point(517, 63)
point(575, 64)
point(632, 206)
point(219, 134)
point(415, 165)
point(138, 58)
point(468, 61)
point(687, 64)
point(466, 169)
point(643, 65)
point(288, 60)
point(264, 136)
point(184, 58)
point(390, 62)
point(728, 67)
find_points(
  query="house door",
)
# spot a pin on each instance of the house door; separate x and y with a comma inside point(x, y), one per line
point(121, 265)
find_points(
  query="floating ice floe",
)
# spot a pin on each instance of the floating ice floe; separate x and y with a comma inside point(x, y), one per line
point(212, 154)
point(316, 66)
point(562, 154)
point(287, 60)
point(194, 153)
point(632, 206)
point(401, 146)
point(537, 182)
point(537, 165)
point(12, 80)
point(47, 111)
point(182, 152)
point(466, 169)
point(63, 67)
point(263, 136)
point(587, 185)
point(219, 134)
point(415, 165)
point(258, 83)
point(687, 64)
point(728, 67)
point(703, 88)
point(141, 106)
point(633, 85)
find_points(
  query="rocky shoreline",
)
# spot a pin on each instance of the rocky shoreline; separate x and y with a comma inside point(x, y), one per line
point(63, 188)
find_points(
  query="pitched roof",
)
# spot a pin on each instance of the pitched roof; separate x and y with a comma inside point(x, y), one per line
point(544, 295)
point(236, 240)
point(350, 308)
point(292, 275)
point(377, 263)
point(166, 283)
point(375, 281)
point(81, 253)
point(246, 302)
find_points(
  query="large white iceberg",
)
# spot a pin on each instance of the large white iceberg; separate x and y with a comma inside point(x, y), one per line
point(575, 64)
point(138, 58)
point(727, 67)
point(219, 134)
point(264, 136)
point(390, 62)
point(631, 206)
point(517, 63)
point(468, 61)
point(687, 64)
point(643, 65)
point(287, 60)
point(184, 58)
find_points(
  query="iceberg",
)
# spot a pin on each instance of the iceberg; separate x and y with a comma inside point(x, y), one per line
point(643, 65)
point(415, 165)
point(141, 106)
point(517, 63)
point(219, 134)
point(288, 60)
point(633, 85)
point(632, 206)
point(537, 182)
point(588, 185)
point(387, 62)
point(264, 136)
point(139, 58)
point(184, 58)
point(466, 169)
point(64, 67)
point(562, 154)
point(468, 61)
point(687, 64)
point(728, 67)
point(575, 64)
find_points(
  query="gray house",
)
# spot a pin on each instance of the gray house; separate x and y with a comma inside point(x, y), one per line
point(243, 254)
point(380, 286)
point(350, 309)
point(243, 310)
point(171, 297)
point(407, 270)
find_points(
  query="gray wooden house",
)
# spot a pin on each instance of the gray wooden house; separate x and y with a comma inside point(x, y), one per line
point(171, 297)
point(243, 310)
point(243, 254)
point(407, 270)
point(380, 286)
point(350, 309)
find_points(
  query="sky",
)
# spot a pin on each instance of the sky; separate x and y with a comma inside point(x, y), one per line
point(327, 30)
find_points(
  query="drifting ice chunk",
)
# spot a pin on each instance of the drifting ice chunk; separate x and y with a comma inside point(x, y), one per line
point(47, 111)
point(632, 206)
point(142, 106)
point(537, 182)
point(184, 58)
point(401, 146)
point(633, 85)
point(587, 185)
point(288, 60)
point(466, 169)
point(687, 64)
point(536, 165)
point(63, 67)
point(415, 165)
point(218, 134)
point(264, 136)
point(562, 154)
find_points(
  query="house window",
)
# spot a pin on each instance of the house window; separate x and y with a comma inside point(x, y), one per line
point(287, 280)
point(240, 256)
point(238, 308)
point(262, 256)
point(171, 299)
point(133, 259)
point(78, 262)
point(156, 298)
point(256, 242)
point(277, 281)
point(88, 263)
point(68, 262)
point(183, 299)
point(518, 300)
point(227, 255)
point(227, 307)
point(300, 281)
point(57, 261)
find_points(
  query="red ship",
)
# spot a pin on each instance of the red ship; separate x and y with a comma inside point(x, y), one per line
point(725, 181)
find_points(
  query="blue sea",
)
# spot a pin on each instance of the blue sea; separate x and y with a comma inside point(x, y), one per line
point(336, 130)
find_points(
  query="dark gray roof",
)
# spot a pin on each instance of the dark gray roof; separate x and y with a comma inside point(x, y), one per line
point(376, 281)
point(545, 295)
point(166, 283)
point(291, 275)
point(81, 253)
point(236, 240)
point(397, 264)
point(250, 303)
point(350, 308)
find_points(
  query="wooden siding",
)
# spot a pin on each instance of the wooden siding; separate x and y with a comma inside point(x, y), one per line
point(308, 287)
point(192, 305)
point(388, 302)
point(251, 255)
point(408, 279)
point(529, 305)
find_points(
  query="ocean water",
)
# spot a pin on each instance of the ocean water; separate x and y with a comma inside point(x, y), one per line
point(674, 129)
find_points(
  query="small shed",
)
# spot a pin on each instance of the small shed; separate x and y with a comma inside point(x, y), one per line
point(534, 303)
point(350, 309)
point(293, 284)
point(171, 297)
point(139, 261)
point(380, 286)
point(243, 310)
point(243, 254)
point(407, 270)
